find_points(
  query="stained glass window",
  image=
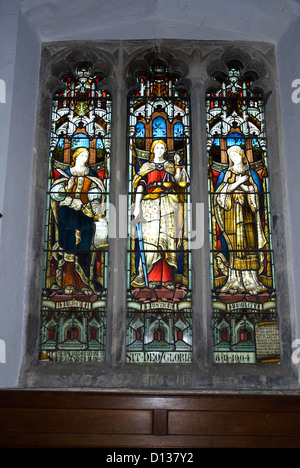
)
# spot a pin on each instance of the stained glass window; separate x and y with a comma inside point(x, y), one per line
point(159, 314)
point(245, 321)
point(73, 315)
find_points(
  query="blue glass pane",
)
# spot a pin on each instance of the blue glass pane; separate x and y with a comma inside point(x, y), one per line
point(140, 130)
point(159, 128)
point(61, 143)
point(178, 130)
point(80, 140)
point(235, 139)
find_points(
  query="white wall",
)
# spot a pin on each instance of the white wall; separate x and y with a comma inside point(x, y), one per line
point(9, 16)
point(288, 54)
point(261, 20)
point(17, 122)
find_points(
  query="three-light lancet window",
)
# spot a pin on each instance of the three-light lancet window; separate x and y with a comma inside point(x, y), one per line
point(159, 273)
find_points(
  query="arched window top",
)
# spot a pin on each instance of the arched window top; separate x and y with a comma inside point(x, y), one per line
point(157, 82)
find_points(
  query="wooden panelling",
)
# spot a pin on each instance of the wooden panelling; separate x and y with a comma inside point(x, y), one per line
point(95, 419)
point(92, 421)
point(233, 423)
point(160, 421)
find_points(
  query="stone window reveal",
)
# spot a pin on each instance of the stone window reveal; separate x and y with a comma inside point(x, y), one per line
point(98, 335)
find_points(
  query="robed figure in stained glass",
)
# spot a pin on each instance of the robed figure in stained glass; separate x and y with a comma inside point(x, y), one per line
point(73, 306)
point(159, 209)
point(238, 208)
point(244, 307)
point(159, 306)
point(76, 198)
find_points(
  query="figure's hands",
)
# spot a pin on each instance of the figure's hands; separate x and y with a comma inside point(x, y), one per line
point(179, 240)
point(70, 183)
point(238, 184)
point(248, 188)
point(242, 179)
point(177, 159)
point(136, 212)
point(76, 204)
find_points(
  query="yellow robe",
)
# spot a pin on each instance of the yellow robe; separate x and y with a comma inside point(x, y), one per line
point(238, 217)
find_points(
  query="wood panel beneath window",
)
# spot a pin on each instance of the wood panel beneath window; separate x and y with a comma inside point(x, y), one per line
point(66, 419)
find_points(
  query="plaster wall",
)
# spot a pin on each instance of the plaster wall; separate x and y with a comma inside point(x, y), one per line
point(9, 18)
point(259, 20)
point(17, 119)
point(288, 52)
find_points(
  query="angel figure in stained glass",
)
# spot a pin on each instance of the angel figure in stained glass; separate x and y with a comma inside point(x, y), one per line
point(238, 207)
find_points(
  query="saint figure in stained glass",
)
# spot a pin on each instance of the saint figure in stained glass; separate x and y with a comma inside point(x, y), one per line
point(238, 215)
point(159, 319)
point(73, 315)
point(159, 210)
point(77, 200)
point(245, 321)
